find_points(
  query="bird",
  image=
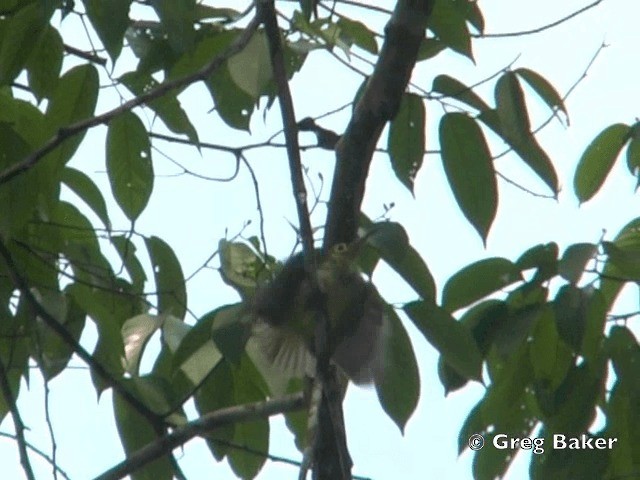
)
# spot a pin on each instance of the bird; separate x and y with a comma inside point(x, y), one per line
point(286, 312)
point(327, 139)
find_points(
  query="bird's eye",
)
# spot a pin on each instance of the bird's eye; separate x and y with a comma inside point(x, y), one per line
point(341, 248)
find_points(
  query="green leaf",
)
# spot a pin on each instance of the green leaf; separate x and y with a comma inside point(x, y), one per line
point(449, 24)
point(549, 356)
point(88, 191)
point(399, 389)
point(597, 160)
point(110, 20)
point(211, 45)
point(452, 87)
point(195, 352)
point(149, 43)
point(169, 279)
point(478, 280)
point(26, 120)
point(543, 88)
point(575, 259)
point(567, 463)
point(391, 242)
point(529, 151)
point(514, 330)
point(633, 158)
point(233, 104)
point(239, 266)
point(136, 333)
point(449, 377)
point(359, 34)
point(451, 338)
point(594, 329)
point(469, 168)
point(625, 259)
point(624, 254)
point(230, 331)
point(474, 16)
point(167, 106)
point(108, 309)
point(624, 351)
point(18, 197)
point(507, 408)
point(254, 435)
point(127, 251)
point(512, 110)
point(251, 68)
point(79, 245)
point(611, 283)
point(22, 32)
point(570, 306)
point(633, 153)
point(225, 387)
point(429, 48)
point(44, 63)
point(328, 32)
point(217, 392)
point(623, 424)
point(573, 407)
point(177, 19)
point(543, 257)
point(406, 141)
point(74, 99)
point(52, 352)
point(485, 320)
point(226, 14)
point(129, 164)
point(136, 432)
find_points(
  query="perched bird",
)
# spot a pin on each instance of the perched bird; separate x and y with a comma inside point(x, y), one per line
point(327, 139)
point(286, 316)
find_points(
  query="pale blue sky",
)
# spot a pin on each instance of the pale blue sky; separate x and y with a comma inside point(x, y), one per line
point(86, 437)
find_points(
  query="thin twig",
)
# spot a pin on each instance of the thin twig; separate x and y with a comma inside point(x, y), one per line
point(40, 453)
point(186, 171)
point(7, 394)
point(256, 191)
point(52, 437)
point(523, 188)
point(90, 57)
point(538, 29)
point(267, 13)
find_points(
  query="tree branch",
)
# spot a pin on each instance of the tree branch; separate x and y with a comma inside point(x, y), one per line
point(266, 10)
point(201, 426)
point(378, 104)
point(339, 456)
point(90, 57)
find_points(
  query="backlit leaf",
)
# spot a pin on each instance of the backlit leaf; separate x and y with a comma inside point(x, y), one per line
point(407, 139)
point(598, 159)
point(469, 169)
point(129, 164)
